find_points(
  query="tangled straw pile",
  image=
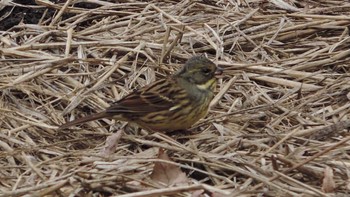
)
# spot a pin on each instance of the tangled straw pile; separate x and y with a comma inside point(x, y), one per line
point(276, 128)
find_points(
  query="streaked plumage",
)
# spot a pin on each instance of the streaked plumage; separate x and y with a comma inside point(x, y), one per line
point(174, 103)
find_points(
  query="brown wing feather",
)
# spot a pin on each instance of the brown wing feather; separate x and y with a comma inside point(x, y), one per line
point(155, 97)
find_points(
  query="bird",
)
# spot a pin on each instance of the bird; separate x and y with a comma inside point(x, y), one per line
point(170, 104)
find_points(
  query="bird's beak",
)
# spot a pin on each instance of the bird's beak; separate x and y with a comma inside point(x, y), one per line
point(219, 70)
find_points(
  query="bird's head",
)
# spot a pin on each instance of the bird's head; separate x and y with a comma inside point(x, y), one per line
point(200, 70)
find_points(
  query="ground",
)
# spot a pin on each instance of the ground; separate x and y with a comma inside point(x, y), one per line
point(277, 126)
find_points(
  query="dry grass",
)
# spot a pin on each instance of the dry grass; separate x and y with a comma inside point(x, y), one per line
point(278, 122)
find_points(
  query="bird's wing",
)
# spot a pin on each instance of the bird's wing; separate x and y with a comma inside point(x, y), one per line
point(160, 95)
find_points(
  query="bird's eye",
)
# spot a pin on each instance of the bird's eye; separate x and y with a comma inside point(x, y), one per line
point(206, 71)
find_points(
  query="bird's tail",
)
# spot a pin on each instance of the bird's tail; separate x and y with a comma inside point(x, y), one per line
point(84, 119)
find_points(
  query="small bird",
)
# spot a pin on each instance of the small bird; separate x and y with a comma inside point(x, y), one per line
point(173, 103)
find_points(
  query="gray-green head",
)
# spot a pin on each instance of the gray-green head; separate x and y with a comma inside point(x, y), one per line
point(199, 70)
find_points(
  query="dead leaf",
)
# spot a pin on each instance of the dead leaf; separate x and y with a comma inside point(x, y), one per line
point(328, 183)
point(221, 130)
point(167, 173)
point(216, 194)
point(283, 5)
point(198, 193)
point(123, 165)
point(111, 143)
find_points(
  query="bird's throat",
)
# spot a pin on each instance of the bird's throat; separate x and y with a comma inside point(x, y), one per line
point(207, 85)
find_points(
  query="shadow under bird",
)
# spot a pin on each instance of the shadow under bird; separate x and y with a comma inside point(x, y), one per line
point(173, 103)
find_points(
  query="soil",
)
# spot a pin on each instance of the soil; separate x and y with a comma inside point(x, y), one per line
point(28, 12)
